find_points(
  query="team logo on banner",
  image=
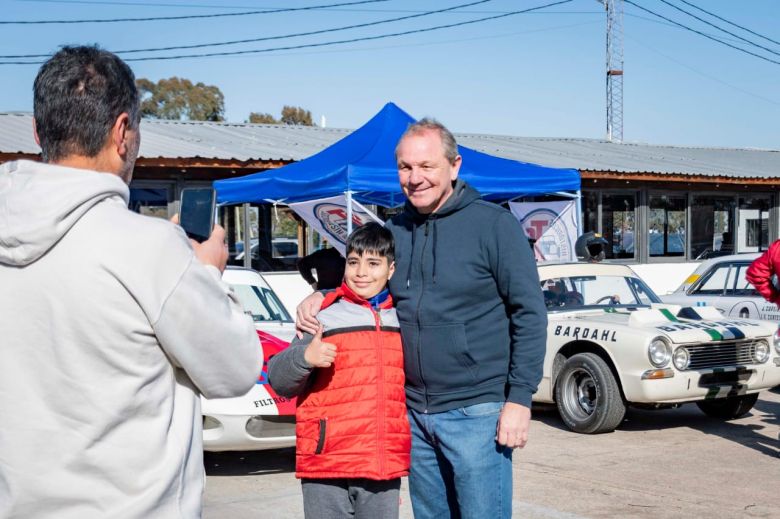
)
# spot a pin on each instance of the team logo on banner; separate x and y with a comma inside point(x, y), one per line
point(551, 240)
point(333, 218)
point(552, 225)
point(328, 216)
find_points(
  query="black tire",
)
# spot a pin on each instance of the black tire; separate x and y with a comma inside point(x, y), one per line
point(558, 362)
point(728, 408)
point(587, 395)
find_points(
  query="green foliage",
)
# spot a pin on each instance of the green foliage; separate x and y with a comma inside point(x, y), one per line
point(296, 115)
point(177, 98)
point(261, 118)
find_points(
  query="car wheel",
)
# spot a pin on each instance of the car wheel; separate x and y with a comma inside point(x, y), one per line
point(744, 313)
point(587, 395)
point(558, 362)
point(728, 408)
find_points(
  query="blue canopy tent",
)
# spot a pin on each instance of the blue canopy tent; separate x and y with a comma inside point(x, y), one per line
point(363, 166)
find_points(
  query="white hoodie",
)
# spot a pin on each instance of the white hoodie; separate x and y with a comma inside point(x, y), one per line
point(109, 328)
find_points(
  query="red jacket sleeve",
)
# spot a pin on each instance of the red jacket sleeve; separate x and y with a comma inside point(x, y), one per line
point(759, 273)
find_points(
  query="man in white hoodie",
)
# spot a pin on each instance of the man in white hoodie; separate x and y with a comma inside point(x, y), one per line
point(111, 323)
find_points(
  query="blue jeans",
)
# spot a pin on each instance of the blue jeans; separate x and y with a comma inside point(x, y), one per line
point(458, 470)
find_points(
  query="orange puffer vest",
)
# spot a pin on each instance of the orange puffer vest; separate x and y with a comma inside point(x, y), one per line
point(351, 422)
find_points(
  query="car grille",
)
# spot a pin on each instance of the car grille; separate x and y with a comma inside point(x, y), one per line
point(270, 426)
point(720, 354)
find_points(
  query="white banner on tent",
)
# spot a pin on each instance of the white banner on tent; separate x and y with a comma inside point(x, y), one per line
point(328, 216)
point(552, 224)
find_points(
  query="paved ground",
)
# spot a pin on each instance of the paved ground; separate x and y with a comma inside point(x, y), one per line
point(659, 464)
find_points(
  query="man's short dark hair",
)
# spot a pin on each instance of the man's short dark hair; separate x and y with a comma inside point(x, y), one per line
point(78, 95)
point(372, 237)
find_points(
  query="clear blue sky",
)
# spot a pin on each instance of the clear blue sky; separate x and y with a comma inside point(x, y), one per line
point(537, 74)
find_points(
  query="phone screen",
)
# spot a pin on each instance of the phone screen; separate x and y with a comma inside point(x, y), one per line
point(196, 215)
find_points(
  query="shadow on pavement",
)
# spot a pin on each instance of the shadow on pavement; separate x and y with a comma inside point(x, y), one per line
point(750, 435)
point(249, 462)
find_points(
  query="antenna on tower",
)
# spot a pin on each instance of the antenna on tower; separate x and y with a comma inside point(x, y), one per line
point(614, 10)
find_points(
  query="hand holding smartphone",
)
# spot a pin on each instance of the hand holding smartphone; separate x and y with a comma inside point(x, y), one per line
point(196, 212)
point(196, 216)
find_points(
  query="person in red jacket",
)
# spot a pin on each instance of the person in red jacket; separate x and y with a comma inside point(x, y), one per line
point(763, 273)
point(352, 430)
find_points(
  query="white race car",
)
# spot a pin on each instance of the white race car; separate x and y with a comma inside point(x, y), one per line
point(612, 343)
point(721, 282)
point(261, 419)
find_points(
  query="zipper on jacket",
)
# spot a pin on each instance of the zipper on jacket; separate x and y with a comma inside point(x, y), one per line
point(321, 441)
point(380, 430)
point(419, 304)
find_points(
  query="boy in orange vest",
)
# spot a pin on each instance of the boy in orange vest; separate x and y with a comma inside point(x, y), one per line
point(353, 439)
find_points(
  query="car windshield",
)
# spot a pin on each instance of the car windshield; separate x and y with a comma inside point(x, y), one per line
point(577, 292)
point(261, 303)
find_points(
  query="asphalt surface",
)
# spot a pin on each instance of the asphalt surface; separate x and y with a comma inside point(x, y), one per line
point(659, 464)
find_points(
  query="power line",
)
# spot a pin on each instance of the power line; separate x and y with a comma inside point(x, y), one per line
point(212, 6)
point(730, 23)
point(352, 40)
point(721, 29)
point(660, 22)
point(434, 43)
point(323, 44)
point(702, 33)
point(713, 78)
point(267, 38)
point(185, 17)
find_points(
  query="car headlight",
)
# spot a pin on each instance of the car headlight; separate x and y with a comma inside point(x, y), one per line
point(681, 359)
point(776, 340)
point(761, 352)
point(659, 352)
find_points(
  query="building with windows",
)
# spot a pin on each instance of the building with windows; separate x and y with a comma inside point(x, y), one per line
point(654, 204)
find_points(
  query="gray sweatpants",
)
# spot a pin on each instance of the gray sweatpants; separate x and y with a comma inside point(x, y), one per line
point(356, 498)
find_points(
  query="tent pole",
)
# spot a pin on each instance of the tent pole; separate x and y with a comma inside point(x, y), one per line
point(349, 212)
point(246, 236)
point(579, 212)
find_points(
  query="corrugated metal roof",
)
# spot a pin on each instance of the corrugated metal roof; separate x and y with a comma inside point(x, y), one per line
point(244, 142)
point(601, 155)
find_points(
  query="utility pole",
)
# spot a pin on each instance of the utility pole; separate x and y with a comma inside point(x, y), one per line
point(614, 10)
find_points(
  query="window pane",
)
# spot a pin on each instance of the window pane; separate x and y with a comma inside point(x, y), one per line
point(607, 291)
point(742, 288)
point(276, 245)
point(753, 223)
point(618, 223)
point(590, 206)
point(260, 303)
point(666, 224)
point(150, 201)
point(715, 282)
point(712, 224)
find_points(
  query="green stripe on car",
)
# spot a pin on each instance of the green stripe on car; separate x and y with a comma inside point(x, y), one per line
point(669, 315)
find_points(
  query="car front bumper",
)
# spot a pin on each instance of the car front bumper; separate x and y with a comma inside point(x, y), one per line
point(694, 385)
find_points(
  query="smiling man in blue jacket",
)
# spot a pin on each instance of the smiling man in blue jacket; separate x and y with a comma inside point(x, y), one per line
point(474, 329)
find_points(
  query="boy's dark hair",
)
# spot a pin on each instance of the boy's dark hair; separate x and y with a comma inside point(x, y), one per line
point(78, 95)
point(372, 237)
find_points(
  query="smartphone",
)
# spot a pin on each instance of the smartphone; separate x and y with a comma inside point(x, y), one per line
point(196, 212)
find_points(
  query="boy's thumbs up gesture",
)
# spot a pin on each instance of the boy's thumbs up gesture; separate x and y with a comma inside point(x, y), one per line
point(320, 354)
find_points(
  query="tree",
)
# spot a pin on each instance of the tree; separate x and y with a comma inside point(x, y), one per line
point(296, 115)
point(177, 98)
point(259, 118)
